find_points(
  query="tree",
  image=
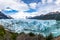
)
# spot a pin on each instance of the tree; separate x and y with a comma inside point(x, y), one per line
point(50, 37)
point(31, 34)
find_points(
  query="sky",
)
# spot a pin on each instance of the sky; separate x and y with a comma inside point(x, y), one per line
point(28, 8)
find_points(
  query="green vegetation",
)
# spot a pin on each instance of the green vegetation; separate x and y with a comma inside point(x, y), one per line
point(50, 37)
point(41, 37)
point(31, 34)
point(21, 33)
point(2, 31)
point(13, 36)
point(6, 35)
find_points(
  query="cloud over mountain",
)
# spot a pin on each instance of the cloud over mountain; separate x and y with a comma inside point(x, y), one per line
point(41, 7)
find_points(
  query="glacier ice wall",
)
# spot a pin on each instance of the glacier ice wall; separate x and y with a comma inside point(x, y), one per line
point(44, 27)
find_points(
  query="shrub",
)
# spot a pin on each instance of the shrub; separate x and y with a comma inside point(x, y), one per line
point(31, 34)
point(13, 36)
point(22, 33)
point(50, 37)
point(2, 31)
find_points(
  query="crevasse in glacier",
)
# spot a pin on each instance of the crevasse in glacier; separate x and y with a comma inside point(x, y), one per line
point(44, 27)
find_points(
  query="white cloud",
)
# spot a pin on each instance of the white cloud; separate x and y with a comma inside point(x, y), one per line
point(33, 5)
point(23, 15)
point(13, 5)
point(20, 6)
point(18, 15)
point(49, 6)
point(43, 1)
point(57, 2)
point(50, 1)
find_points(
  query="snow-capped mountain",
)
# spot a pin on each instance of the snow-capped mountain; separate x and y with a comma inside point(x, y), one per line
point(3, 16)
point(48, 16)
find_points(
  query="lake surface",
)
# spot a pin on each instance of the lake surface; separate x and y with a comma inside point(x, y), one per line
point(44, 27)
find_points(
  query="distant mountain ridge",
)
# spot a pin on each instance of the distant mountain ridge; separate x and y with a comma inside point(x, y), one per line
point(49, 16)
point(3, 16)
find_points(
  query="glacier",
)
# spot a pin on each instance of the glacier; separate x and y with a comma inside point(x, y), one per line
point(44, 27)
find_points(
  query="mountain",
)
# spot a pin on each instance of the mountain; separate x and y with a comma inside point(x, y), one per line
point(3, 16)
point(48, 16)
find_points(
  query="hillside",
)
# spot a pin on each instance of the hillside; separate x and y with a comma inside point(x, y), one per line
point(48, 16)
point(3, 16)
